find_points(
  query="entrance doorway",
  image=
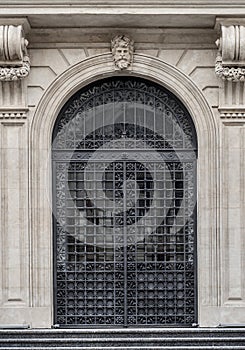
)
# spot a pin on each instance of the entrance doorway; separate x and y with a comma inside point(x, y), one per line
point(124, 202)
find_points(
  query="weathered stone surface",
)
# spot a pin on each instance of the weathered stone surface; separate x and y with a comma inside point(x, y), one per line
point(175, 339)
point(69, 46)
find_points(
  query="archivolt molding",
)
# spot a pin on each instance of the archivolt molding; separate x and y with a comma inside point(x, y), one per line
point(61, 89)
point(100, 66)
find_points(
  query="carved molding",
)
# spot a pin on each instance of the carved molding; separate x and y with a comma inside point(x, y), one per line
point(230, 61)
point(228, 73)
point(122, 48)
point(13, 114)
point(14, 60)
point(234, 114)
point(15, 73)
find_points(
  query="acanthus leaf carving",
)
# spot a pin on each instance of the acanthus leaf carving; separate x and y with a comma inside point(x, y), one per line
point(14, 59)
point(228, 73)
point(230, 60)
point(15, 73)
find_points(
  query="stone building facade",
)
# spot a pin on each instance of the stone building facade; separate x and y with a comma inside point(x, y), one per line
point(48, 52)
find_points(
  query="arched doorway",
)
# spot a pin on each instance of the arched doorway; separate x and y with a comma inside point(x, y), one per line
point(124, 175)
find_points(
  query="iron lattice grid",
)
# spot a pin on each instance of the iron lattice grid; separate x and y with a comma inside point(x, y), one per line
point(124, 159)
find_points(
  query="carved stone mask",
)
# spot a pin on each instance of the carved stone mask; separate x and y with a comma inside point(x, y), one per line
point(122, 51)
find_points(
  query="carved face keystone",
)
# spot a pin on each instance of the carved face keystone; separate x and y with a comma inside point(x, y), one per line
point(122, 57)
point(122, 51)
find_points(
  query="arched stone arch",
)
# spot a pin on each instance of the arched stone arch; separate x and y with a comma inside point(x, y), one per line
point(54, 98)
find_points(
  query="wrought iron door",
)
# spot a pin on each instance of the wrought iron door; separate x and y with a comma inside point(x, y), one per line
point(124, 157)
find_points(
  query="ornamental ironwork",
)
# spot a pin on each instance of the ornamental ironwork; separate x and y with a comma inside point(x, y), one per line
point(124, 173)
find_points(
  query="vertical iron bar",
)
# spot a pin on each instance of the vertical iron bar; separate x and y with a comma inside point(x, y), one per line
point(125, 244)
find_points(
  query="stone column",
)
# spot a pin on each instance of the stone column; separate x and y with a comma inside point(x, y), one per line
point(14, 232)
point(230, 67)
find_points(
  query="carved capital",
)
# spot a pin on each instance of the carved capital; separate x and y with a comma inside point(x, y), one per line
point(232, 44)
point(14, 60)
point(122, 48)
point(230, 61)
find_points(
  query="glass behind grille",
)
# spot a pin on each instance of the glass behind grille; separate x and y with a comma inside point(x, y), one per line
point(124, 171)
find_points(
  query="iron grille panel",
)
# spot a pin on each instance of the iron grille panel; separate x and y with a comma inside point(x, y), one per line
point(124, 158)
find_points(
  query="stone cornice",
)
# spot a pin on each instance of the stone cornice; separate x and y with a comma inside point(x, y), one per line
point(178, 7)
point(145, 38)
point(16, 21)
point(225, 4)
point(123, 13)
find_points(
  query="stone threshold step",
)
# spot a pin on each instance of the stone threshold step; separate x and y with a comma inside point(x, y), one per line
point(124, 339)
point(140, 329)
point(224, 347)
point(124, 332)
